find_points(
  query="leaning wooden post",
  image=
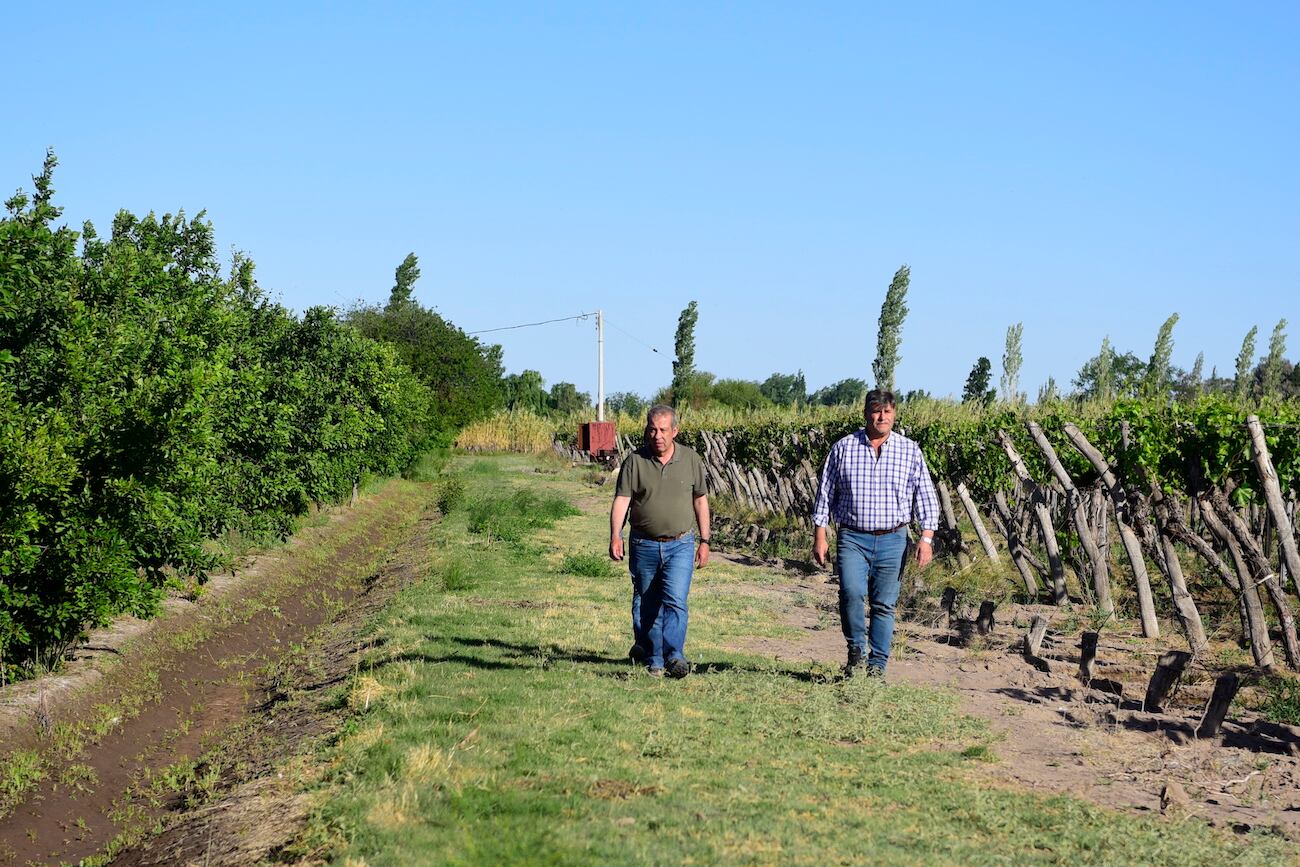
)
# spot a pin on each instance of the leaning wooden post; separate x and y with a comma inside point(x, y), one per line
point(1225, 690)
point(1168, 670)
point(1034, 638)
point(950, 520)
point(1015, 547)
point(984, 623)
point(947, 603)
point(1132, 545)
point(1189, 617)
point(1273, 499)
point(1241, 582)
point(1088, 656)
point(1042, 514)
point(1082, 526)
point(972, 512)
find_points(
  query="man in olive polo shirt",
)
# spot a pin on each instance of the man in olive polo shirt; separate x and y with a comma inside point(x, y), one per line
point(663, 484)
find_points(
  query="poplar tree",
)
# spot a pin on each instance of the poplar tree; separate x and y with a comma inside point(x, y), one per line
point(684, 347)
point(1195, 378)
point(1157, 378)
point(1106, 370)
point(1241, 384)
point(404, 281)
point(892, 314)
point(1011, 361)
point(977, 383)
point(1271, 372)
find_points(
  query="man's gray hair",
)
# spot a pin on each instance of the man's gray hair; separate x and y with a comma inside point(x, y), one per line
point(660, 409)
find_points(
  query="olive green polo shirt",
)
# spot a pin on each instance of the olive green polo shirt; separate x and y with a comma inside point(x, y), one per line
point(663, 495)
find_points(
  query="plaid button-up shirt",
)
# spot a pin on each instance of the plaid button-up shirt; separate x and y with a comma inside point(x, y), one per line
point(860, 489)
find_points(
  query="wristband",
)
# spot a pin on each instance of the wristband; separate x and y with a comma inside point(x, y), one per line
point(704, 541)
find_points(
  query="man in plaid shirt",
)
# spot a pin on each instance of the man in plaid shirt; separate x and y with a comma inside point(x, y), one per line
point(873, 485)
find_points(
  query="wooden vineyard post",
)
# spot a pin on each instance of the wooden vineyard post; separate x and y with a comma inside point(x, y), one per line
point(1252, 610)
point(1273, 499)
point(1088, 655)
point(984, 623)
point(1225, 690)
point(1044, 518)
point(1263, 573)
point(1189, 617)
point(946, 603)
point(1015, 547)
point(1034, 638)
point(952, 533)
point(1168, 670)
point(1082, 526)
point(981, 532)
point(1132, 546)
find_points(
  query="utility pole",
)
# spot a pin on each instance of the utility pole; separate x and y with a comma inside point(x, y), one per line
point(600, 365)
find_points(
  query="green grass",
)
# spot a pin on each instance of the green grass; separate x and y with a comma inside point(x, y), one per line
point(589, 565)
point(496, 720)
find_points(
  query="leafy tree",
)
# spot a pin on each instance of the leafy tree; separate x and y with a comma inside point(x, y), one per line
point(977, 383)
point(846, 392)
point(1272, 369)
point(404, 281)
point(1194, 385)
point(626, 402)
point(524, 391)
point(892, 313)
point(684, 347)
point(1011, 361)
point(1047, 392)
point(463, 376)
point(1241, 383)
point(1126, 374)
point(739, 393)
point(1158, 380)
point(785, 389)
point(565, 398)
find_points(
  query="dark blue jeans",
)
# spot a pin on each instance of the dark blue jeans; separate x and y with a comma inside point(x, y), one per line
point(870, 569)
point(661, 578)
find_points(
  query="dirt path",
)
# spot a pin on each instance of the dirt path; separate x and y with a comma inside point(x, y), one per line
point(1058, 736)
point(182, 683)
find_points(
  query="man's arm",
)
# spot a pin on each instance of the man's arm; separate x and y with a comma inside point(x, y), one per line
point(821, 513)
point(927, 512)
point(617, 514)
point(701, 505)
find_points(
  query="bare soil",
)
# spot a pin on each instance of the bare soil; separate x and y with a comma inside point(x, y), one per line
point(203, 691)
point(1062, 736)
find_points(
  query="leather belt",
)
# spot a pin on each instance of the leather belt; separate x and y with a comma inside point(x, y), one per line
point(884, 532)
point(664, 538)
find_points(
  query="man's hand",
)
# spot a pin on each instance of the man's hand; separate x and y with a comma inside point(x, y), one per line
point(702, 555)
point(820, 546)
point(924, 553)
point(616, 548)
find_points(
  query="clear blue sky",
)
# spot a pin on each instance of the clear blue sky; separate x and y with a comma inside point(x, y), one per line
point(1086, 169)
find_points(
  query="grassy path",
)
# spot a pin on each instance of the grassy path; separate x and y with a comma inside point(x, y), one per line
point(496, 720)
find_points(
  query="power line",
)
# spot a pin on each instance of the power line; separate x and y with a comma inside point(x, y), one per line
point(531, 324)
point(631, 335)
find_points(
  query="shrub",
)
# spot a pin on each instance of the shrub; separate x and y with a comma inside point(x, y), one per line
point(589, 566)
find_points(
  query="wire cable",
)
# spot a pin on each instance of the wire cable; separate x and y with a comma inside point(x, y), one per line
point(531, 324)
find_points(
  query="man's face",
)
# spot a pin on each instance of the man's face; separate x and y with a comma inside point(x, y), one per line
point(880, 419)
point(659, 431)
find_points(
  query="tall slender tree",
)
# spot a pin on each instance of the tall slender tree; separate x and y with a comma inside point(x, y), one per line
point(684, 347)
point(404, 281)
point(1157, 378)
point(1011, 361)
point(1271, 371)
point(892, 313)
point(1245, 359)
point(1106, 370)
point(977, 383)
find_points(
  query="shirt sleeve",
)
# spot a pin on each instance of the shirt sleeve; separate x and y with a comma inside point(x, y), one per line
point(624, 488)
point(821, 514)
point(927, 499)
point(700, 487)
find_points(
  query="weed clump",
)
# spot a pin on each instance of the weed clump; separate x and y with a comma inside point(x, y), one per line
point(588, 566)
point(508, 518)
point(1281, 700)
point(451, 493)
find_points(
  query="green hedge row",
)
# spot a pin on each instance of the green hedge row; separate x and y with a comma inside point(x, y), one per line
point(148, 404)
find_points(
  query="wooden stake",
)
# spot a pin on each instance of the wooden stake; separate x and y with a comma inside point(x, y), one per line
point(1088, 655)
point(984, 623)
point(1034, 638)
point(1168, 670)
point(1225, 690)
point(946, 603)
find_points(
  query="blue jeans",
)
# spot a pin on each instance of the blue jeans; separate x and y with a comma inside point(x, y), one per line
point(661, 578)
point(870, 567)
